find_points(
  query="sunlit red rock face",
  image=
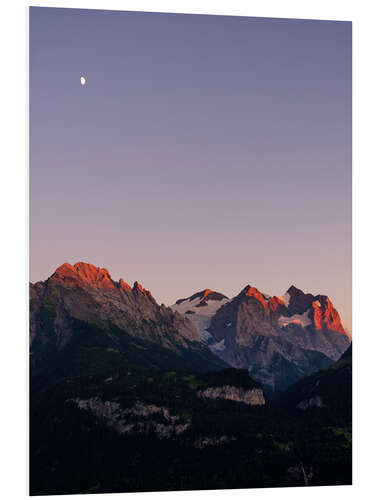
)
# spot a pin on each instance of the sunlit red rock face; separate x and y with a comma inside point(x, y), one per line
point(322, 313)
point(325, 316)
point(124, 285)
point(251, 291)
point(138, 288)
point(82, 274)
point(206, 293)
point(275, 302)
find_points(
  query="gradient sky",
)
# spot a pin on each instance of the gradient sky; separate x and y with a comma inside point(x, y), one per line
point(203, 151)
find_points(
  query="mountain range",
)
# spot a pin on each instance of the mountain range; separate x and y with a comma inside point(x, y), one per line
point(211, 392)
point(278, 339)
point(85, 296)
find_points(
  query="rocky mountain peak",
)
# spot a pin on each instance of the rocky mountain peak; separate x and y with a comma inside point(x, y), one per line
point(293, 290)
point(299, 301)
point(325, 316)
point(124, 286)
point(203, 296)
point(211, 295)
point(275, 302)
point(322, 313)
point(138, 288)
point(83, 274)
point(87, 293)
point(251, 291)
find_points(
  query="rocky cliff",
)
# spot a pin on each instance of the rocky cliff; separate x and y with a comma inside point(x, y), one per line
point(253, 397)
point(141, 418)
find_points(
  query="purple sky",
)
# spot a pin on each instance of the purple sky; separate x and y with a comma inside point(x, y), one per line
point(203, 151)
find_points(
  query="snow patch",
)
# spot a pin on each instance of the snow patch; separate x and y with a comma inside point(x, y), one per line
point(297, 319)
point(202, 317)
point(286, 299)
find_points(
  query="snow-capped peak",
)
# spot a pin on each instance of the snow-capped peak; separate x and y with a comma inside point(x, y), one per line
point(200, 308)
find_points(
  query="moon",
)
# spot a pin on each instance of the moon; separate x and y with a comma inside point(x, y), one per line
point(83, 80)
